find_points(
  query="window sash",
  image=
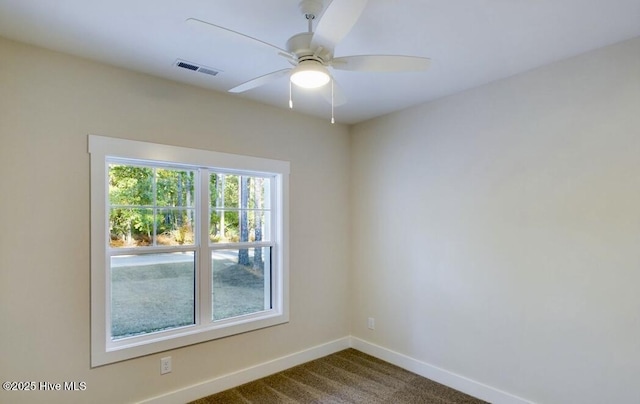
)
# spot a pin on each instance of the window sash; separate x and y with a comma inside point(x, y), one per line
point(203, 262)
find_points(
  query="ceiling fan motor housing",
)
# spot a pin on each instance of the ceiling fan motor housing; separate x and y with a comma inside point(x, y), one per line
point(300, 45)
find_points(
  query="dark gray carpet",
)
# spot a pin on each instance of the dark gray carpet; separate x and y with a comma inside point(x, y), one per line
point(347, 376)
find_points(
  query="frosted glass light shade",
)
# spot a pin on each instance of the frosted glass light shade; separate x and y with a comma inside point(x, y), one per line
point(310, 74)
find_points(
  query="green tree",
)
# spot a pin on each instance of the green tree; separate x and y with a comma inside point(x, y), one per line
point(130, 187)
point(149, 201)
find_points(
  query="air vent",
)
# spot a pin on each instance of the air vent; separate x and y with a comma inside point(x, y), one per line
point(197, 68)
point(187, 66)
point(206, 70)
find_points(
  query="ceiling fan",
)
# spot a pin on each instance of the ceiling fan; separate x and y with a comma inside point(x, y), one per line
point(311, 53)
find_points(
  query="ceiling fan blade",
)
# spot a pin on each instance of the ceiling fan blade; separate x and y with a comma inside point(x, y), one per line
point(260, 81)
point(336, 22)
point(339, 98)
point(204, 25)
point(381, 63)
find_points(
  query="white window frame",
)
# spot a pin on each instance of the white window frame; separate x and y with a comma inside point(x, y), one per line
point(103, 349)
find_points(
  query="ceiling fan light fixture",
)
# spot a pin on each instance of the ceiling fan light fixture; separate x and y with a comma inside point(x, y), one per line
point(310, 74)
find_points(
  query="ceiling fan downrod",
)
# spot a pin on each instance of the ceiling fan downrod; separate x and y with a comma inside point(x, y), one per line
point(310, 9)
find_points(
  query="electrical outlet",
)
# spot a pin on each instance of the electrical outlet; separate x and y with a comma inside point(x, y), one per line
point(371, 323)
point(165, 365)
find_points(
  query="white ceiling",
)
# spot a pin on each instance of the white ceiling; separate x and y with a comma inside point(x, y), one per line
point(470, 42)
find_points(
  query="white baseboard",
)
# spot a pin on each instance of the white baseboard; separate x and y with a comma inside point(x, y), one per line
point(460, 383)
point(246, 375)
point(234, 379)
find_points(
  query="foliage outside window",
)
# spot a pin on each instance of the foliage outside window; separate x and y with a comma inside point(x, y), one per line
point(184, 249)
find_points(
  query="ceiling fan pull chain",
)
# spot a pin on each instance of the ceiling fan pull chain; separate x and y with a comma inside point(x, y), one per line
point(290, 100)
point(332, 117)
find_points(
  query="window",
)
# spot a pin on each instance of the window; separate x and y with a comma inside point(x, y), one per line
point(186, 246)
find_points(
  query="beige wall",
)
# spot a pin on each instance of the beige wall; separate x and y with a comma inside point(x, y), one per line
point(497, 232)
point(49, 102)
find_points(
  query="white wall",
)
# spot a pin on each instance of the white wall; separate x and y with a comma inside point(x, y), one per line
point(497, 232)
point(49, 102)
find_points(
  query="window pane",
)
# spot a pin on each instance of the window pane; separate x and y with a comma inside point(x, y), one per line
point(224, 226)
point(175, 227)
point(224, 190)
point(175, 187)
point(259, 193)
point(244, 225)
point(151, 292)
point(130, 227)
point(257, 225)
point(241, 281)
point(130, 185)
